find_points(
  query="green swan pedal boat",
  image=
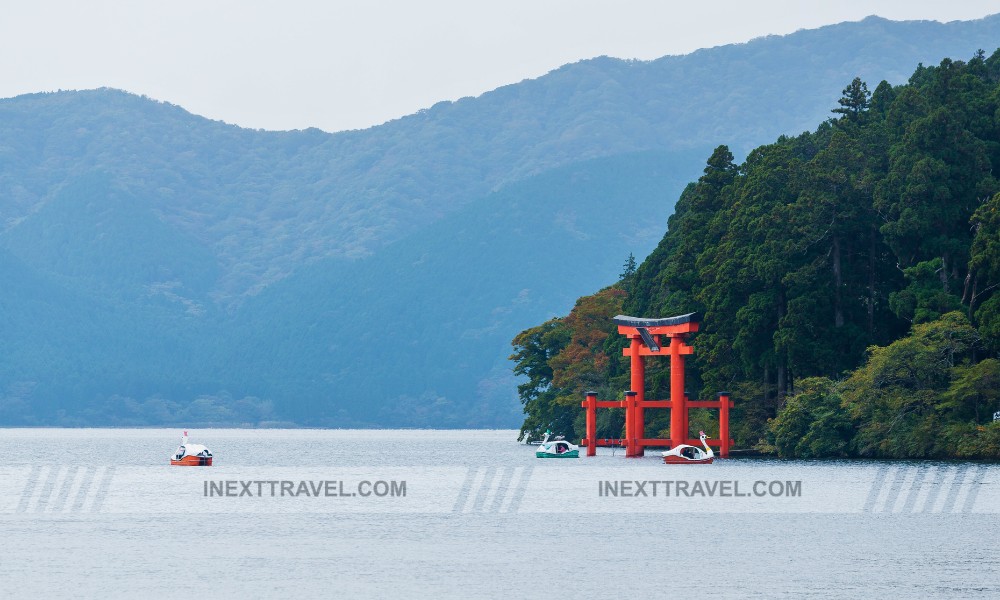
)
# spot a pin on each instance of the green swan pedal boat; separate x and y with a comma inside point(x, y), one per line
point(557, 448)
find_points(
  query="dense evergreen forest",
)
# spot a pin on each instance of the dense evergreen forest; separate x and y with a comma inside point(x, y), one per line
point(848, 278)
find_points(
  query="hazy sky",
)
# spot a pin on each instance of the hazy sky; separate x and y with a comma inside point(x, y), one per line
point(292, 64)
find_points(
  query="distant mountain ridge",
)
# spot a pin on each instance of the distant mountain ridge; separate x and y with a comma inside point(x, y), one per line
point(347, 194)
point(189, 228)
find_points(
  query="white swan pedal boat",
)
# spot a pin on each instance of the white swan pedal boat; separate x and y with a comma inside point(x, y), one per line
point(191, 455)
point(684, 454)
point(557, 448)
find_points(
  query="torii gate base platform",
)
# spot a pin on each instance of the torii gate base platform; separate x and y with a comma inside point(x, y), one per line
point(644, 336)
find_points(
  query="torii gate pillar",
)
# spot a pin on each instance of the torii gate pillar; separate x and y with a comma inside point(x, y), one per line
point(678, 399)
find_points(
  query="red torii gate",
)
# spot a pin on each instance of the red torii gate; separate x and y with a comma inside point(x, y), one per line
point(644, 336)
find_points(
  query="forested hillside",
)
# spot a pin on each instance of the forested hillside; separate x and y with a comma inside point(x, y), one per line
point(263, 203)
point(160, 267)
point(415, 336)
point(849, 279)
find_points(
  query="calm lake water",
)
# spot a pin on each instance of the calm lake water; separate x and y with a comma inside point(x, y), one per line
point(88, 513)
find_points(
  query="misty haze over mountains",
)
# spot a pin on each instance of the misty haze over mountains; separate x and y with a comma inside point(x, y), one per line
point(161, 268)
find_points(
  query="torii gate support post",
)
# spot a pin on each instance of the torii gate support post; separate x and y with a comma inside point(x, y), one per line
point(632, 447)
point(678, 399)
point(723, 424)
point(592, 423)
point(638, 384)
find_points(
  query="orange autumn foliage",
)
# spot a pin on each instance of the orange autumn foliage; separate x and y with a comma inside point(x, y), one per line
point(583, 364)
